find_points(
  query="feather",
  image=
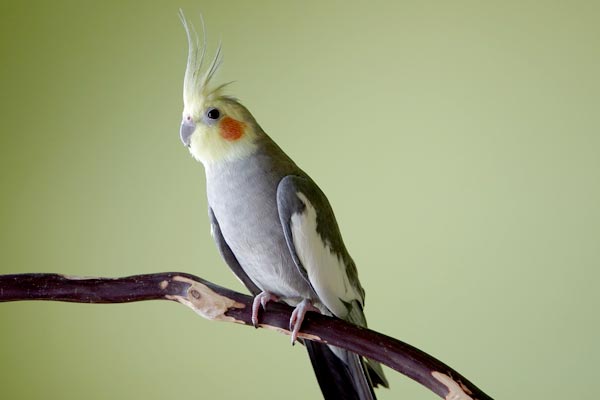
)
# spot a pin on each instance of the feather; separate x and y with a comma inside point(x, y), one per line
point(196, 85)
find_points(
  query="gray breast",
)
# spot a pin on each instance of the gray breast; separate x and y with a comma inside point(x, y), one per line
point(243, 196)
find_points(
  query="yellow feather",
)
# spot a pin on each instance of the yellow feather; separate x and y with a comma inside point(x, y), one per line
point(208, 146)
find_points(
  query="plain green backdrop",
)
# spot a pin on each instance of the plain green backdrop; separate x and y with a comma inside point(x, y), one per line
point(459, 143)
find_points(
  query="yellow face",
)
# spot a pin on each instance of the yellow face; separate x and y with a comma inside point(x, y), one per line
point(215, 127)
point(218, 129)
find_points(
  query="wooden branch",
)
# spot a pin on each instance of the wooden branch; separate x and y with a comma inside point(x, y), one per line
point(217, 303)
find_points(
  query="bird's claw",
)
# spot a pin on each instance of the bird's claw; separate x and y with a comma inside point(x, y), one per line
point(298, 316)
point(261, 299)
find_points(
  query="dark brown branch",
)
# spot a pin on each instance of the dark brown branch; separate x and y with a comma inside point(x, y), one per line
point(218, 303)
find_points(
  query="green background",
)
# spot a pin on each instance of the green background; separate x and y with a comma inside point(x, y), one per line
point(459, 143)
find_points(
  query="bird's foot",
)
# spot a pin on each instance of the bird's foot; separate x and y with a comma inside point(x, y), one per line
point(298, 316)
point(261, 299)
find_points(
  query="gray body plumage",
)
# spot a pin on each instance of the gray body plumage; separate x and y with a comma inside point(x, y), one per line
point(253, 202)
point(243, 197)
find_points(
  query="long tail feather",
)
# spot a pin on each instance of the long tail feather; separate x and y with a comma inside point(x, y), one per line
point(337, 379)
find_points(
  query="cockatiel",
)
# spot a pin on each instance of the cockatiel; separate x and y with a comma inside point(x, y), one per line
point(272, 224)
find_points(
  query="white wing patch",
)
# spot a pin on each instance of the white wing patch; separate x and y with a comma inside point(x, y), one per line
point(326, 271)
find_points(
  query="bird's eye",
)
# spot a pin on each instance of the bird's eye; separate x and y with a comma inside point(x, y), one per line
point(213, 113)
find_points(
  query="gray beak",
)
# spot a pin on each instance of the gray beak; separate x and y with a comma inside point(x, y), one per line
point(185, 131)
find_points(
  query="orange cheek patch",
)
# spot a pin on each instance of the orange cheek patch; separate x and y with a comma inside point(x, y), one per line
point(231, 129)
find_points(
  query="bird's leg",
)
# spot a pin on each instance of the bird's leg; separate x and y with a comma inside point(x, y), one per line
point(298, 316)
point(261, 299)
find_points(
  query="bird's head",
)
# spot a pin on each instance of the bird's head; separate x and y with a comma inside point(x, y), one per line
point(214, 126)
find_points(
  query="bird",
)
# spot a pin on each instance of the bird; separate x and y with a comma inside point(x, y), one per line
point(272, 224)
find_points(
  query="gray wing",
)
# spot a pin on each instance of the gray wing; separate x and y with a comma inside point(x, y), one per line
point(316, 245)
point(228, 255)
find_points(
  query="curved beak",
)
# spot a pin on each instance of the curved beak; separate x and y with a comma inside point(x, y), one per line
point(185, 131)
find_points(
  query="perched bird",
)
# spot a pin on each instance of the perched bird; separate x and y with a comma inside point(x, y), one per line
point(272, 224)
